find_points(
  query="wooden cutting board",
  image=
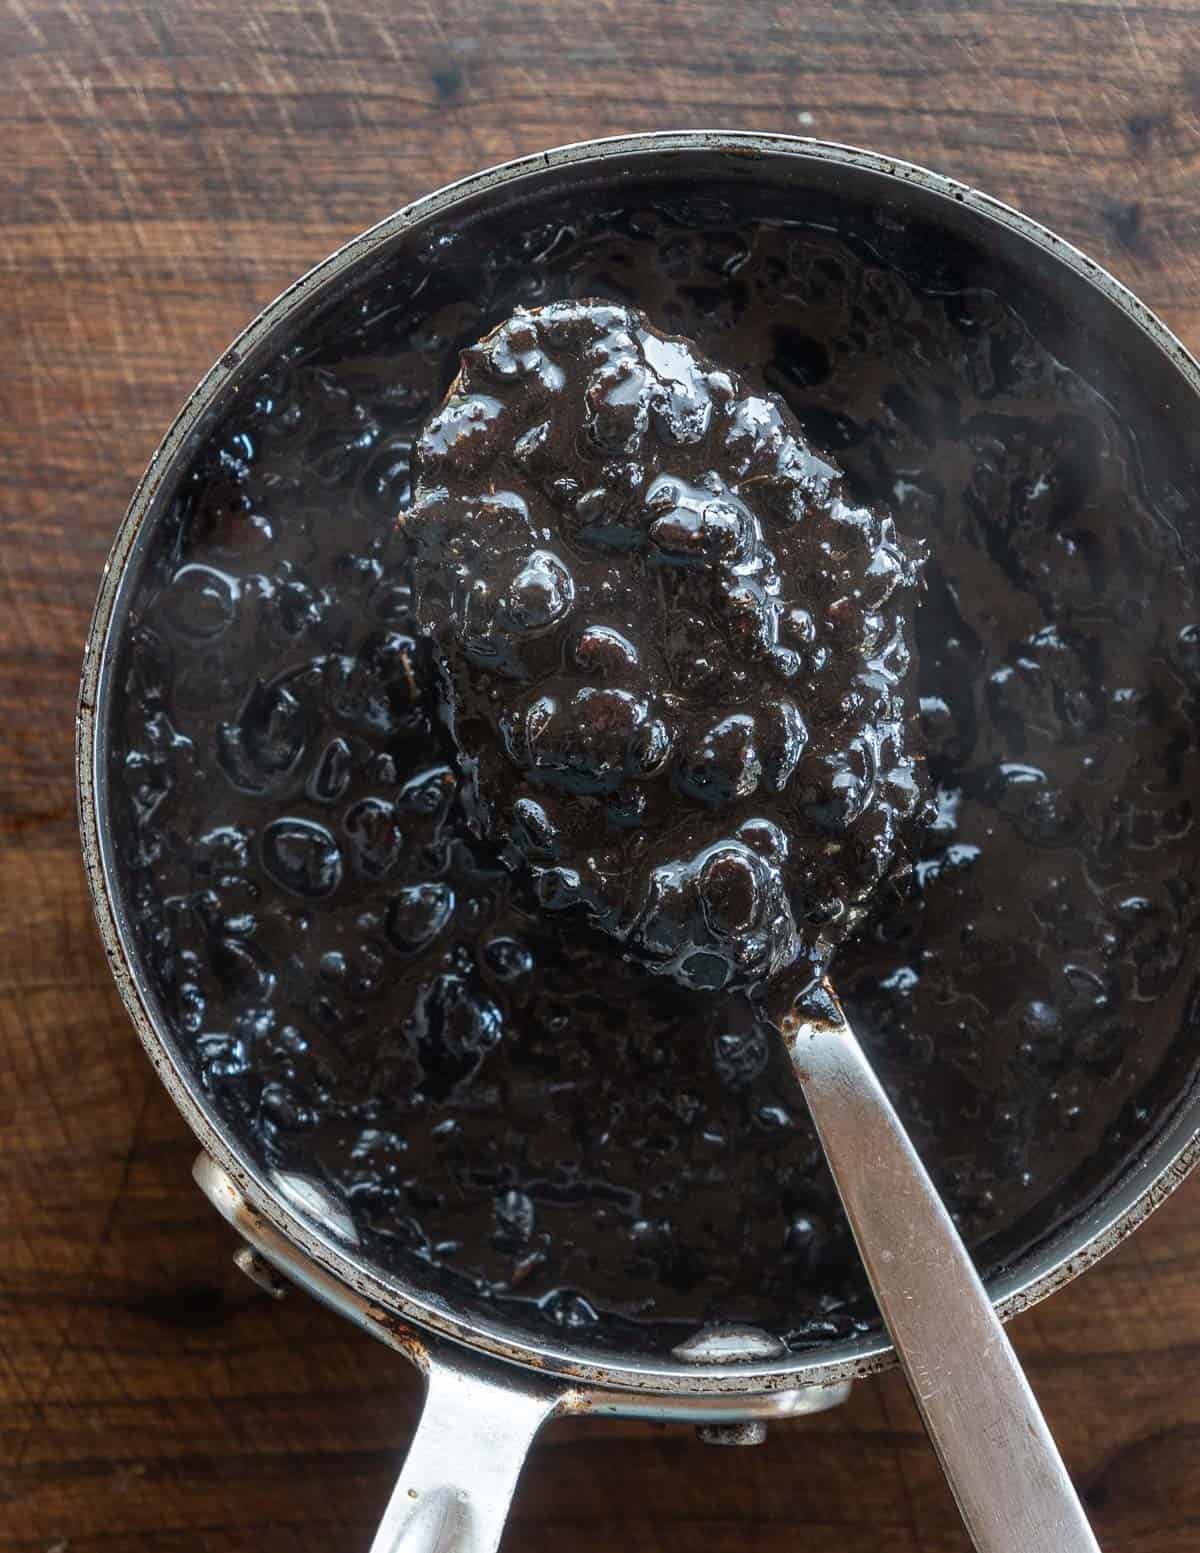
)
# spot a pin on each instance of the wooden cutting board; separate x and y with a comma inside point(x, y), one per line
point(164, 171)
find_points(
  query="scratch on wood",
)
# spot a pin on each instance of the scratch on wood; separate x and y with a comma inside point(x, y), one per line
point(330, 28)
point(25, 15)
point(1133, 42)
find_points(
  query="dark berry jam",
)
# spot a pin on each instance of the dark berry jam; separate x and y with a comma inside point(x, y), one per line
point(505, 1110)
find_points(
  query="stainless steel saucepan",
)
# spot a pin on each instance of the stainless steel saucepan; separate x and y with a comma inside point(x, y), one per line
point(490, 1385)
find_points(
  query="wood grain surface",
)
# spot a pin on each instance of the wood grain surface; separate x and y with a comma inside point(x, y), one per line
point(164, 171)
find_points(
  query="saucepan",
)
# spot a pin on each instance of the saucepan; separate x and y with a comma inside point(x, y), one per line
point(491, 1383)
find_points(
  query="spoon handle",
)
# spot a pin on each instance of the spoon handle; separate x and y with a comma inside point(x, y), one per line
point(998, 1455)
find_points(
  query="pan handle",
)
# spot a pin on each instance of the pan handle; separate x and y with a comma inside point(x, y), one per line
point(479, 1417)
point(462, 1467)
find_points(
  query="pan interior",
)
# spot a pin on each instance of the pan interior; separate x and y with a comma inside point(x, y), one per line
point(500, 1117)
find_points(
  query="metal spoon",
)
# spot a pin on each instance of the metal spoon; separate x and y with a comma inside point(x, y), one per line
point(998, 1455)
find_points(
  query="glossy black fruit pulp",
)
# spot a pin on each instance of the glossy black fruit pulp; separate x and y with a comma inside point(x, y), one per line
point(508, 1113)
point(674, 663)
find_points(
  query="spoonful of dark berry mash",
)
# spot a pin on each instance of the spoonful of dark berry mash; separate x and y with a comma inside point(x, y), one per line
point(674, 663)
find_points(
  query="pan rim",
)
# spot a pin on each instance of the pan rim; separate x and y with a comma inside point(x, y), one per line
point(1143, 1186)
